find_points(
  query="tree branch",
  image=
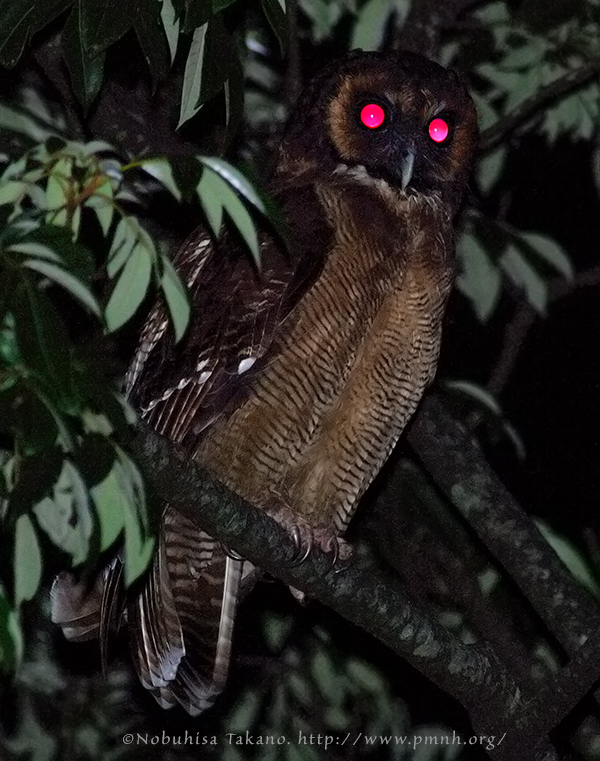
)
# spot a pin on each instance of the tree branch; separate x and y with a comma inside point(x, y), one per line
point(455, 461)
point(570, 81)
point(365, 594)
point(358, 590)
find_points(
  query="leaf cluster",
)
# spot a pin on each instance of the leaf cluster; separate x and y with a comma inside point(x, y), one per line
point(67, 485)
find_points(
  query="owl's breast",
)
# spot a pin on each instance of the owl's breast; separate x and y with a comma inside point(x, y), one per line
point(348, 364)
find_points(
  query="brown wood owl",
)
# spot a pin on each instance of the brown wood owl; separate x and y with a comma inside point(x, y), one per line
point(294, 383)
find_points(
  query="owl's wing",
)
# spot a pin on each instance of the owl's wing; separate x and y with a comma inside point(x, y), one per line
point(180, 389)
point(181, 623)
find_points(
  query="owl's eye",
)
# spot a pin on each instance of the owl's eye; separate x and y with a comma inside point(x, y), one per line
point(438, 130)
point(372, 115)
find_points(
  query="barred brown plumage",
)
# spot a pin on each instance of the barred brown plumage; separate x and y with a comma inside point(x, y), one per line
point(294, 383)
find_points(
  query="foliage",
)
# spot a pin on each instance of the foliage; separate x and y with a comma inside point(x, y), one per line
point(89, 29)
point(66, 478)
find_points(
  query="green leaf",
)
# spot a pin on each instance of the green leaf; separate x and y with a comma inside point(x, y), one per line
point(365, 675)
point(327, 678)
point(19, 19)
point(138, 547)
point(103, 23)
point(323, 15)
point(193, 14)
point(13, 191)
point(171, 26)
point(75, 221)
point(102, 204)
point(192, 76)
point(70, 283)
point(134, 487)
point(85, 68)
point(238, 213)
point(27, 560)
point(337, 718)
point(211, 202)
point(161, 170)
point(29, 419)
point(477, 393)
point(209, 64)
point(525, 277)
point(131, 288)
point(152, 39)
point(43, 341)
point(57, 192)
point(16, 19)
point(549, 250)
point(220, 5)
point(107, 499)
point(96, 146)
point(369, 29)
point(489, 168)
point(486, 113)
point(233, 89)
point(66, 516)
point(275, 12)
point(176, 297)
point(571, 556)
point(123, 243)
point(38, 473)
point(31, 248)
point(479, 280)
point(300, 688)
point(527, 55)
point(235, 178)
point(276, 631)
point(11, 640)
point(72, 255)
point(9, 347)
point(243, 713)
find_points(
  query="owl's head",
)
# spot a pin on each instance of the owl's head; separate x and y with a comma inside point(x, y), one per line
point(402, 117)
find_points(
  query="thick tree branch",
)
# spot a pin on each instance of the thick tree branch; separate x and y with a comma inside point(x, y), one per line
point(455, 461)
point(358, 590)
point(365, 594)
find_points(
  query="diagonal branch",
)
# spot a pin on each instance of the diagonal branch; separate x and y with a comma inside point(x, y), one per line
point(455, 461)
point(370, 597)
point(358, 590)
point(560, 87)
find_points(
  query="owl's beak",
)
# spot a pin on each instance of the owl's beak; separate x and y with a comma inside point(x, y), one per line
point(407, 163)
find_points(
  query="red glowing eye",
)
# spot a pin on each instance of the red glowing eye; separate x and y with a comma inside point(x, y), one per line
point(438, 130)
point(372, 115)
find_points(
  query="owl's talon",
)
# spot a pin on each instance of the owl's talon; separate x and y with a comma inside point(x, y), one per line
point(298, 559)
point(336, 551)
point(302, 543)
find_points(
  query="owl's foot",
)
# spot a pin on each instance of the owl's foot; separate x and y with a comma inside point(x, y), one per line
point(306, 537)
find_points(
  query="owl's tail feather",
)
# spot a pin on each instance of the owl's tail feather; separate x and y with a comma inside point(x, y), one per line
point(88, 609)
point(157, 644)
point(181, 622)
point(204, 584)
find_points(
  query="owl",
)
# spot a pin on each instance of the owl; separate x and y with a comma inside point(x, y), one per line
point(295, 381)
